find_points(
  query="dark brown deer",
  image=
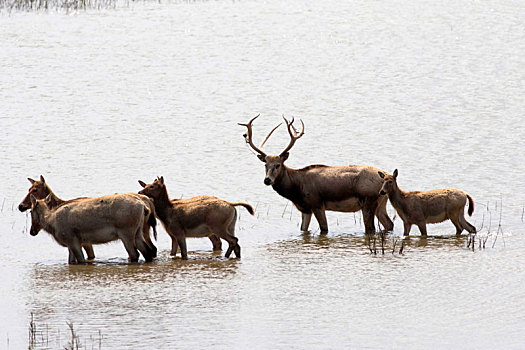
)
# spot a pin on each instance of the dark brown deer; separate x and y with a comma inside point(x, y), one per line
point(199, 216)
point(428, 207)
point(93, 221)
point(40, 190)
point(318, 188)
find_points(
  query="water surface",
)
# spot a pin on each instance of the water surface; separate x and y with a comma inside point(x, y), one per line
point(96, 100)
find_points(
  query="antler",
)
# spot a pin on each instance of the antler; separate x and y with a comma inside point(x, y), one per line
point(270, 134)
point(294, 135)
point(248, 136)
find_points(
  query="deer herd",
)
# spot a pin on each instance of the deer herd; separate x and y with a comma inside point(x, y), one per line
point(80, 223)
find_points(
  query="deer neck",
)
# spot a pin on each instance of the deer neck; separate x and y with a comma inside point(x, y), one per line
point(286, 184)
point(162, 205)
point(54, 201)
point(48, 221)
point(397, 198)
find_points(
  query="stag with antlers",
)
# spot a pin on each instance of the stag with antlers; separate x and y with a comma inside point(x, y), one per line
point(318, 188)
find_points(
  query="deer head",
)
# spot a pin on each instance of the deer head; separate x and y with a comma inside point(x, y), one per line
point(38, 188)
point(39, 208)
point(274, 163)
point(389, 182)
point(153, 190)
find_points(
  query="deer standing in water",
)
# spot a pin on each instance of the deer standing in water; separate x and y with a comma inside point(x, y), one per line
point(200, 216)
point(93, 221)
point(428, 207)
point(40, 190)
point(318, 188)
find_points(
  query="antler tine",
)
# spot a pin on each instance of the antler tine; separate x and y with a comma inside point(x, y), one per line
point(302, 129)
point(270, 134)
point(294, 136)
point(249, 133)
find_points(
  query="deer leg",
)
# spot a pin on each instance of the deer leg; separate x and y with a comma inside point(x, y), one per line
point(422, 228)
point(76, 249)
point(71, 257)
point(467, 225)
point(147, 239)
point(174, 246)
point(89, 251)
point(233, 246)
point(320, 215)
point(181, 240)
point(216, 242)
point(382, 215)
point(133, 254)
point(406, 228)
point(457, 224)
point(146, 251)
point(237, 250)
point(368, 210)
point(305, 222)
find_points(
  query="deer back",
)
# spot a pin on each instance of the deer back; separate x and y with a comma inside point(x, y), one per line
point(117, 211)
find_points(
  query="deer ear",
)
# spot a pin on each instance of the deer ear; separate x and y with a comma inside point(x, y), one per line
point(162, 179)
point(42, 179)
point(382, 174)
point(33, 200)
point(142, 184)
point(395, 173)
point(31, 180)
point(48, 199)
point(262, 158)
point(284, 156)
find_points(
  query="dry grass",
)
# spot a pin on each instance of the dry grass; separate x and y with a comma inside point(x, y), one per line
point(56, 5)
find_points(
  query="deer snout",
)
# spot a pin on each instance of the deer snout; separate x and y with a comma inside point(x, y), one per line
point(267, 181)
point(33, 232)
point(22, 208)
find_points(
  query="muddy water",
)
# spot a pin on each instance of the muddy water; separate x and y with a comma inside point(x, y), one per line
point(96, 100)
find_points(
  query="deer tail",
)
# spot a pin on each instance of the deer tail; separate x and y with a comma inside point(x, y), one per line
point(150, 214)
point(153, 223)
point(470, 205)
point(246, 205)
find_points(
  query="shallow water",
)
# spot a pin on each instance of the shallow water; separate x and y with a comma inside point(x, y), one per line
point(96, 100)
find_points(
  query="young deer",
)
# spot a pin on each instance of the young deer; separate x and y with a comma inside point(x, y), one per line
point(40, 190)
point(200, 216)
point(428, 207)
point(318, 188)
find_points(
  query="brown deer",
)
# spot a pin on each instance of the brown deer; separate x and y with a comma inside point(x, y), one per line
point(93, 221)
point(40, 190)
point(428, 207)
point(318, 188)
point(199, 216)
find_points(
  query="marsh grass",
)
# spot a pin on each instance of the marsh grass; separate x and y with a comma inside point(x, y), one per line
point(483, 234)
point(40, 338)
point(380, 241)
point(58, 5)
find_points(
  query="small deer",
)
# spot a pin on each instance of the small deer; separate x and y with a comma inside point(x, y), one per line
point(93, 221)
point(200, 216)
point(40, 190)
point(428, 207)
point(318, 188)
